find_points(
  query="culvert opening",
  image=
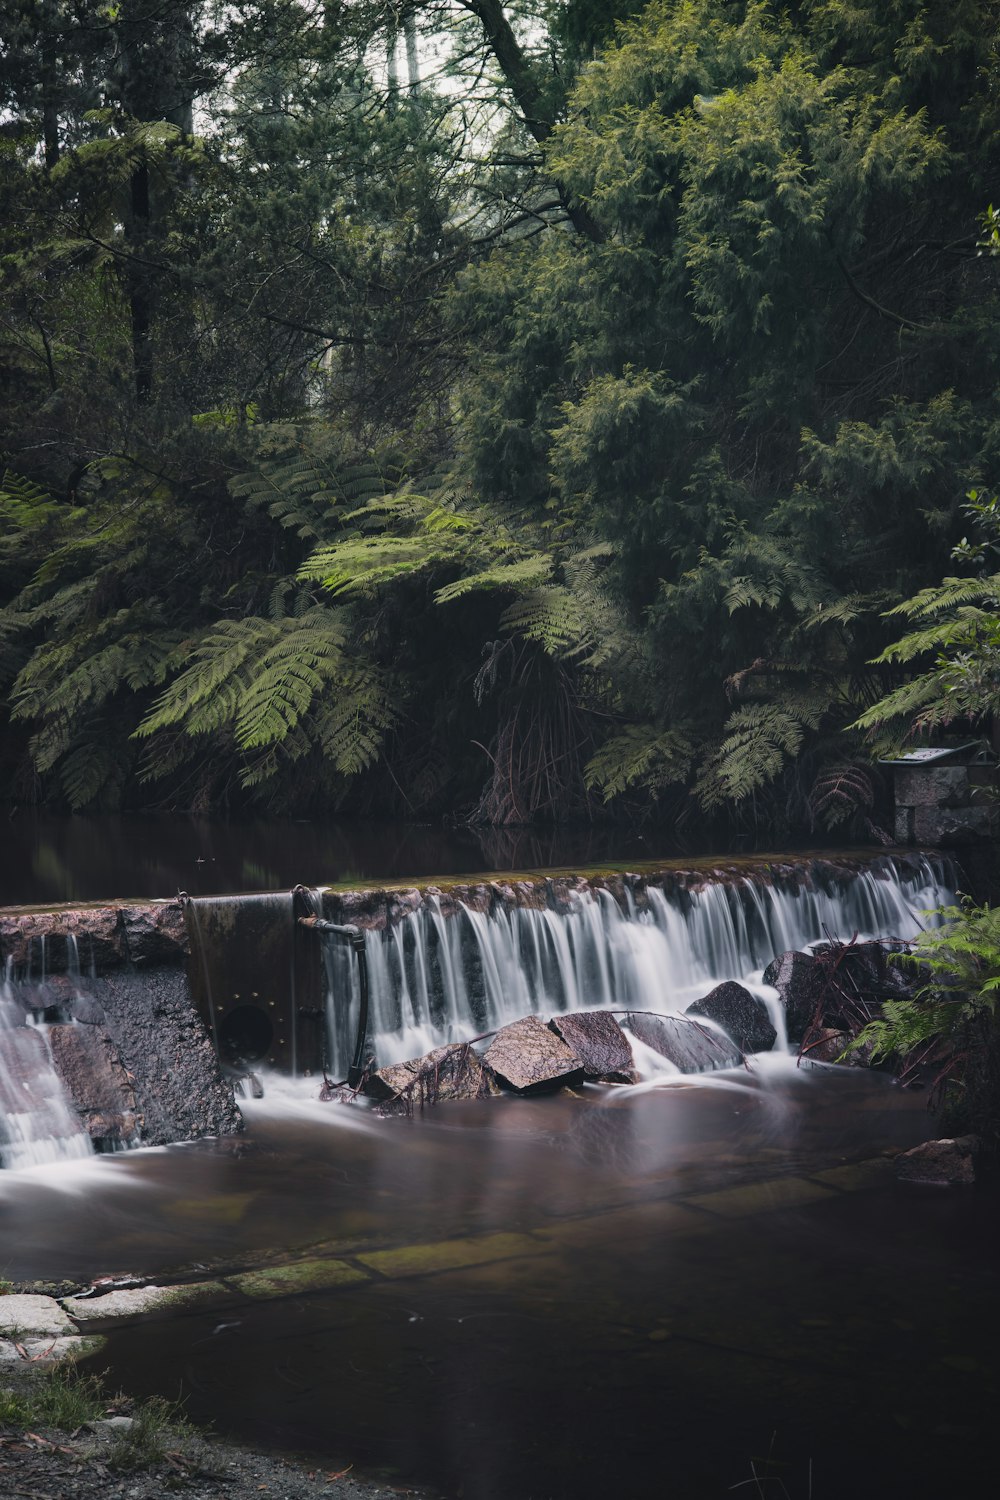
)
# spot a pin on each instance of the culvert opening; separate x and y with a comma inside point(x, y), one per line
point(245, 1035)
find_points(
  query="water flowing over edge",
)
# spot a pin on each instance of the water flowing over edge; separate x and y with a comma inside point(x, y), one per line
point(437, 979)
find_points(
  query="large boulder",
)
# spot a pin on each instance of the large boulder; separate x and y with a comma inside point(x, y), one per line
point(872, 971)
point(599, 1042)
point(453, 1072)
point(740, 1014)
point(528, 1056)
point(690, 1047)
point(944, 1162)
point(799, 980)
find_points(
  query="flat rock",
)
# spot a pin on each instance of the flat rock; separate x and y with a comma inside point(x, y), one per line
point(740, 1014)
point(527, 1055)
point(946, 1161)
point(596, 1038)
point(69, 938)
point(453, 1072)
point(30, 1314)
point(690, 1047)
point(49, 1349)
point(133, 1302)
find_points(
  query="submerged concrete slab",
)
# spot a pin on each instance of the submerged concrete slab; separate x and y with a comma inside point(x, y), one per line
point(301, 1276)
point(450, 1255)
point(858, 1176)
point(761, 1197)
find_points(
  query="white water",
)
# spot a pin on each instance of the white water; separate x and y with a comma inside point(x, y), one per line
point(38, 1123)
point(436, 980)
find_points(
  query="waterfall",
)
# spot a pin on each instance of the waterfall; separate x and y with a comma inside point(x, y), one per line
point(436, 979)
point(38, 1123)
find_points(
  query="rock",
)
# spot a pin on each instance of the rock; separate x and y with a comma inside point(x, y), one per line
point(947, 1161)
point(136, 1302)
point(154, 933)
point(24, 1060)
point(180, 1094)
point(48, 1350)
point(869, 972)
point(740, 1014)
point(527, 1055)
point(26, 1314)
point(690, 1047)
point(85, 1009)
point(86, 1061)
point(824, 1044)
point(798, 978)
point(599, 1042)
point(68, 939)
point(110, 1426)
point(453, 1072)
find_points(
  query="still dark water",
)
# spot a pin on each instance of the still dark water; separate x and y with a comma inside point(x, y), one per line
point(691, 1284)
point(49, 859)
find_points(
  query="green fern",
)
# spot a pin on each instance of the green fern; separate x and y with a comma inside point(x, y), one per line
point(946, 1017)
point(640, 755)
point(760, 738)
point(258, 677)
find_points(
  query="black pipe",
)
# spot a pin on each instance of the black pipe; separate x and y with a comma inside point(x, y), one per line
point(356, 1071)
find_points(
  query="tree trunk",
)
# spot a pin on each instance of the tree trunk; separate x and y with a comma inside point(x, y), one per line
point(529, 98)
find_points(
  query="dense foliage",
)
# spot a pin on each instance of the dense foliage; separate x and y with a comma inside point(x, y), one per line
point(545, 430)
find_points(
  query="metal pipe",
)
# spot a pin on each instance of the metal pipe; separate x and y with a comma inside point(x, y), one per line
point(356, 937)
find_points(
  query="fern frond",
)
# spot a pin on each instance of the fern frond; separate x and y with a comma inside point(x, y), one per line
point(284, 681)
point(640, 755)
point(352, 728)
point(551, 615)
point(524, 573)
point(759, 739)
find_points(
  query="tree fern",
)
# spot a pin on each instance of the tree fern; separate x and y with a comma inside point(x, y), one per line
point(759, 738)
point(259, 677)
point(351, 728)
point(640, 755)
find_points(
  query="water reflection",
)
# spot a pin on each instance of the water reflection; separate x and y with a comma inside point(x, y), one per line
point(49, 859)
point(682, 1274)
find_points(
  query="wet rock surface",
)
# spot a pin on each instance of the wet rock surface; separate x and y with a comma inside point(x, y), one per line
point(826, 1044)
point(88, 1064)
point(946, 1162)
point(154, 933)
point(446, 1073)
point(526, 1056)
point(179, 1090)
point(740, 1014)
point(798, 979)
point(689, 1046)
point(596, 1038)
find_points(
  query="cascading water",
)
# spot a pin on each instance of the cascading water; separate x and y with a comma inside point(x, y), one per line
point(37, 1121)
point(437, 979)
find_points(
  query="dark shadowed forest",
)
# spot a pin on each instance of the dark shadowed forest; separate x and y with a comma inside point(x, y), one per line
point(517, 412)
